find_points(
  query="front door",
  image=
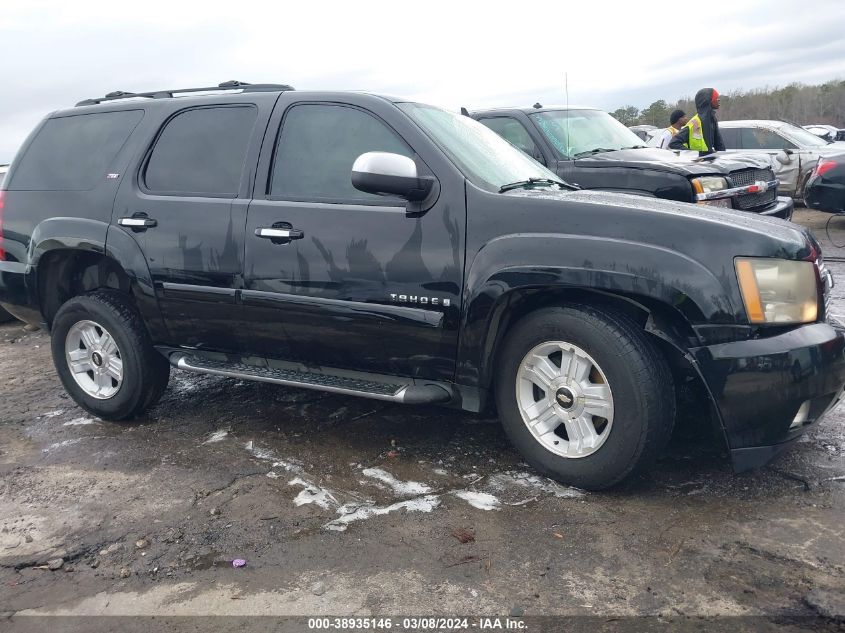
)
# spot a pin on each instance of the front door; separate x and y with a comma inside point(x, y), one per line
point(340, 278)
point(183, 212)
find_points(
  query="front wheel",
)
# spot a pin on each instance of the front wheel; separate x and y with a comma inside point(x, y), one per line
point(104, 356)
point(584, 395)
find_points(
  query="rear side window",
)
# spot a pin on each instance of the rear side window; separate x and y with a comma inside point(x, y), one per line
point(760, 138)
point(318, 145)
point(201, 152)
point(730, 135)
point(73, 153)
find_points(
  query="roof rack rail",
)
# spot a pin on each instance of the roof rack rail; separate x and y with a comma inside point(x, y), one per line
point(167, 94)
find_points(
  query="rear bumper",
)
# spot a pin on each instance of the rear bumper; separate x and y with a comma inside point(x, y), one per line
point(770, 391)
point(15, 292)
point(782, 208)
point(825, 196)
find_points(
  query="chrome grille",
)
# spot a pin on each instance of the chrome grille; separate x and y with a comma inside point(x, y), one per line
point(746, 177)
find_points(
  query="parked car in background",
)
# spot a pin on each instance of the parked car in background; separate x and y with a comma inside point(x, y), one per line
point(825, 132)
point(643, 131)
point(4, 316)
point(825, 189)
point(793, 150)
point(371, 246)
point(589, 148)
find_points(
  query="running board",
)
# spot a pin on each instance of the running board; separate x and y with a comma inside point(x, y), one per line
point(405, 393)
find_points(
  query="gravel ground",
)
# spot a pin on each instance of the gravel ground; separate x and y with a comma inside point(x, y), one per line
point(343, 505)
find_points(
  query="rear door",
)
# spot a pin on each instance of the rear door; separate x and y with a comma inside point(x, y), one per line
point(364, 285)
point(186, 208)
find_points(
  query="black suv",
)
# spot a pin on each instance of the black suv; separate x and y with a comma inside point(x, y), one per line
point(371, 246)
point(589, 148)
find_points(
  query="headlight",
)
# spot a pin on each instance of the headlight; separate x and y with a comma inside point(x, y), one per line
point(711, 184)
point(778, 290)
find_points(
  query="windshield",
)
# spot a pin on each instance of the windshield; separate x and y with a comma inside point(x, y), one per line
point(485, 158)
point(800, 136)
point(576, 133)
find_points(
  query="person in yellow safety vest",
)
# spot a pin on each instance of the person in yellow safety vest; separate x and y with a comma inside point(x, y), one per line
point(701, 133)
point(677, 120)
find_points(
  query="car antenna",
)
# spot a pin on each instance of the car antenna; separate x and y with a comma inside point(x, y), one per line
point(566, 90)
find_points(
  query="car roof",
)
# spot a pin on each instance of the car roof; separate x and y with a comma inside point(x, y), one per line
point(531, 109)
point(758, 122)
point(227, 91)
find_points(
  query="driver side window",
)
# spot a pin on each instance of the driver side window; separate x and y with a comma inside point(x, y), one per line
point(317, 146)
point(515, 133)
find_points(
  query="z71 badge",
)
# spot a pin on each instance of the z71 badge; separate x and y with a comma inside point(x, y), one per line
point(423, 301)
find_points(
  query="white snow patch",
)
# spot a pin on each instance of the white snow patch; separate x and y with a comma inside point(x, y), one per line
point(401, 488)
point(80, 422)
point(273, 475)
point(217, 436)
point(61, 445)
point(441, 472)
point(52, 414)
point(349, 513)
point(290, 467)
point(543, 484)
point(257, 451)
point(480, 500)
point(312, 493)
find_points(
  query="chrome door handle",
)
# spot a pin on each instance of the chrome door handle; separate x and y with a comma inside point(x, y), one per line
point(279, 234)
point(137, 223)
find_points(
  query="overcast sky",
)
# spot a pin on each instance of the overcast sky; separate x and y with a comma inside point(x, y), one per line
point(452, 54)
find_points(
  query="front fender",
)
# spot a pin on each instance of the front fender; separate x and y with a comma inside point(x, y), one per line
point(560, 262)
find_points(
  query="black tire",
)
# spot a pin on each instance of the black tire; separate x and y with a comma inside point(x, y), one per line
point(145, 371)
point(5, 317)
point(637, 373)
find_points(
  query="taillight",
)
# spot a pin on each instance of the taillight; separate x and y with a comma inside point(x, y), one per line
point(824, 166)
point(2, 204)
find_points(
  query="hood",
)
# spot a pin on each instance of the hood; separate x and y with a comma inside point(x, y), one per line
point(828, 150)
point(752, 234)
point(669, 161)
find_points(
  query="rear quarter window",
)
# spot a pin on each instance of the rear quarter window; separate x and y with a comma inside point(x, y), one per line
point(73, 153)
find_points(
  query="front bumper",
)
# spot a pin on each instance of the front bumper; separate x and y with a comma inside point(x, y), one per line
point(782, 208)
point(769, 391)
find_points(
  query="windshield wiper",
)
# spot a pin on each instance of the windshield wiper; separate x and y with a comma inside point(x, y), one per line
point(531, 181)
point(589, 152)
point(636, 147)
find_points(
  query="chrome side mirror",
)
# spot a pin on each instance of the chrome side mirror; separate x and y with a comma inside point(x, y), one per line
point(387, 174)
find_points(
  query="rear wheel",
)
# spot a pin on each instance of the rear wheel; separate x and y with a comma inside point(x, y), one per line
point(584, 395)
point(104, 356)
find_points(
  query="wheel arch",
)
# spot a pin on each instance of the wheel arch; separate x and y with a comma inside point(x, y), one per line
point(69, 266)
point(666, 328)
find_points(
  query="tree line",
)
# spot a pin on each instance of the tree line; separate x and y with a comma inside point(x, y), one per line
point(798, 103)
